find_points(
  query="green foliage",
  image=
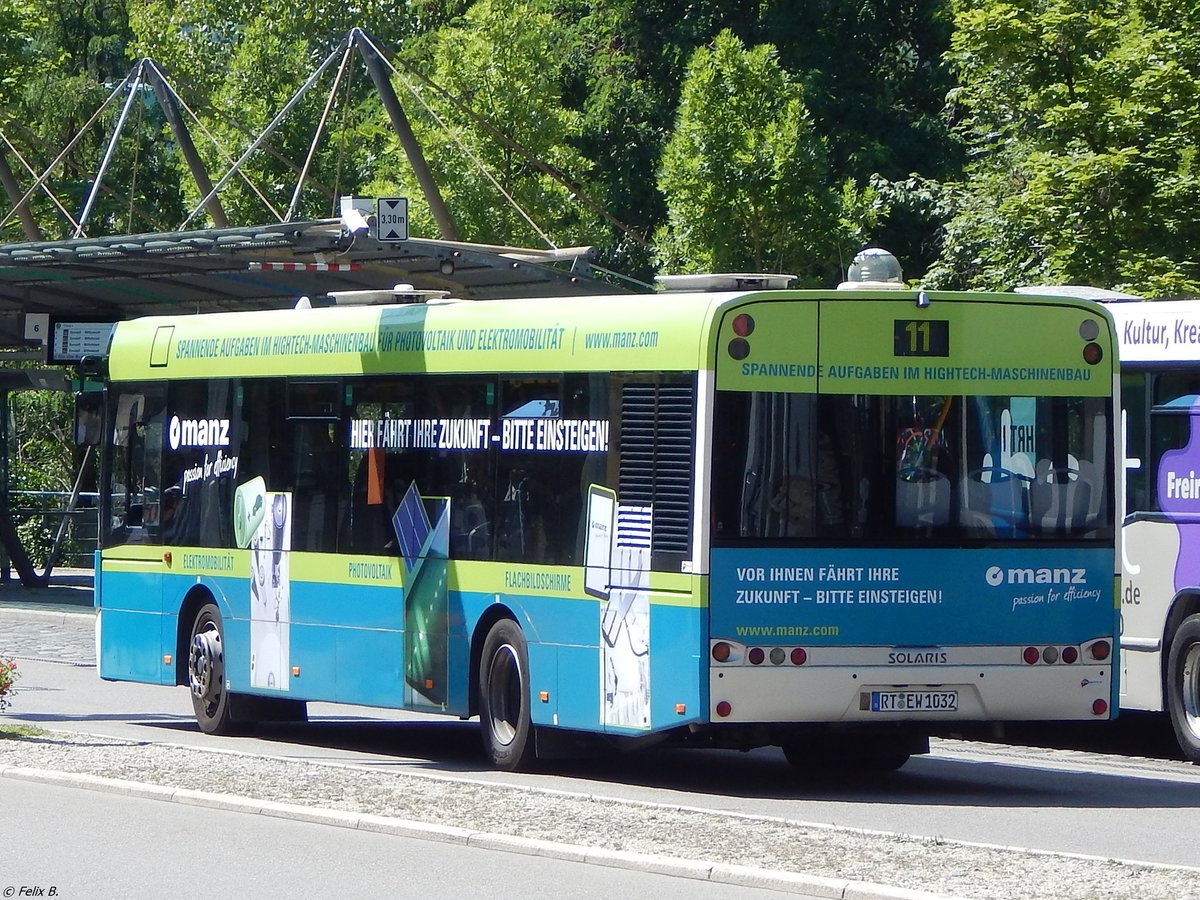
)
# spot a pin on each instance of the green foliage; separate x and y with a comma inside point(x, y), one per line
point(239, 63)
point(60, 61)
point(876, 86)
point(992, 142)
point(500, 71)
point(746, 175)
point(20, 20)
point(1082, 121)
point(42, 461)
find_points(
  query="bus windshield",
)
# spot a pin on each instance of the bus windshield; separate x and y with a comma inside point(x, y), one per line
point(975, 468)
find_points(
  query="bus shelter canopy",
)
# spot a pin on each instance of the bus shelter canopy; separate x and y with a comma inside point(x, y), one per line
point(261, 267)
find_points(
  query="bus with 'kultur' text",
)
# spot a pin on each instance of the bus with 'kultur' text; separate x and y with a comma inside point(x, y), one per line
point(725, 515)
point(1160, 609)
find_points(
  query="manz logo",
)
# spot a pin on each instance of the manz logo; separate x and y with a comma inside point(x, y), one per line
point(996, 576)
point(197, 432)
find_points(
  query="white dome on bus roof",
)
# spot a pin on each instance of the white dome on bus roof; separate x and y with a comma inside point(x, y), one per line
point(875, 264)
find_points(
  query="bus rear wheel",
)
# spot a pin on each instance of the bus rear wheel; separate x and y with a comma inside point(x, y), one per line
point(206, 672)
point(504, 697)
point(1183, 687)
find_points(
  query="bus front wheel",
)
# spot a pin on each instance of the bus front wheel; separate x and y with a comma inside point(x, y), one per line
point(504, 697)
point(206, 672)
point(1183, 686)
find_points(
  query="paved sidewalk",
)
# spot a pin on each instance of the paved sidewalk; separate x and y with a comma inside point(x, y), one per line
point(52, 623)
point(68, 593)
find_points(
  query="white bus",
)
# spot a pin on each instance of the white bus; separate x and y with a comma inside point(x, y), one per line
point(1160, 587)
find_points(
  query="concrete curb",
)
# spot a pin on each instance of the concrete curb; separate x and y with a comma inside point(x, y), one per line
point(743, 876)
point(57, 616)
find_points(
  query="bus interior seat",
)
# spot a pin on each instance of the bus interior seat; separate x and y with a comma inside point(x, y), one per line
point(923, 502)
point(993, 502)
point(510, 518)
point(470, 533)
point(1061, 499)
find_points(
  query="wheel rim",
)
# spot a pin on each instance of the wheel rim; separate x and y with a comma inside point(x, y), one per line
point(505, 694)
point(1190, 689)
point(206, 665)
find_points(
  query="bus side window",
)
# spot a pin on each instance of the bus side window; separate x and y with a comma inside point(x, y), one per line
point(1133, 401)
point(313, 414)
point(1169, 431)
point(1175, 395)
point(135, 478)
point(540, 488)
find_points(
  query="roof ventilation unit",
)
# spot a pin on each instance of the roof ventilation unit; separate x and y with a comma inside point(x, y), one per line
point(722, 281)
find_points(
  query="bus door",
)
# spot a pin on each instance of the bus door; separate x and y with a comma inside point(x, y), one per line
point(134, 507)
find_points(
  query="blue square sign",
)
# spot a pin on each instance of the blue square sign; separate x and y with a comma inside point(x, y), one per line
point(391, 217)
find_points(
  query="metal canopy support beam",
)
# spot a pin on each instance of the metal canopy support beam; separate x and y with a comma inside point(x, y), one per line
point(10, 539)
point(408, 140)
point(108, 151)
point(28, 225)
point(274, 123)
point(183, 137)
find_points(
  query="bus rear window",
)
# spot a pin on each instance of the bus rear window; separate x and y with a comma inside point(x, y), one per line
point(907, 468)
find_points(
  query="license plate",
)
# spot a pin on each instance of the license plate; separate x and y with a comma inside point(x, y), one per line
point(914, 701)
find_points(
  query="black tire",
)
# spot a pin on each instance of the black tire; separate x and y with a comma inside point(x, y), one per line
point(1183, 687)
point(206, 672)
point(504, 698)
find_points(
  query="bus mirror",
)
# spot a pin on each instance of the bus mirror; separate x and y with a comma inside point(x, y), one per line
point(89, 418)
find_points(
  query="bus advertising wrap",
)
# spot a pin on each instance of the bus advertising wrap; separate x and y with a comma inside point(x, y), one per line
point(865, 597)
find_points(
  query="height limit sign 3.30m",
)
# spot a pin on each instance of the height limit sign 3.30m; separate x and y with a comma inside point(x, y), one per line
point(392, 218)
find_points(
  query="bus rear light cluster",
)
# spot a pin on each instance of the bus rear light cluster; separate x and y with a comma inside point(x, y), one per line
point(1096, 651)
point(1050, 655)
point(777, 656)
point(1089, 330)
point(724, 652)
point(743, 327)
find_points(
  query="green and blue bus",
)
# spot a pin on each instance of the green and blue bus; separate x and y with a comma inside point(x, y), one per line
point(835, 521)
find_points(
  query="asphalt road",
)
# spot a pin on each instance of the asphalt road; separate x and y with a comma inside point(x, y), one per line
point(79, 844)
point(1130, 806)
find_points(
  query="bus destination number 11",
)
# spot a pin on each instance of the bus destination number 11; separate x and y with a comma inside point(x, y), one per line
point(922, 337)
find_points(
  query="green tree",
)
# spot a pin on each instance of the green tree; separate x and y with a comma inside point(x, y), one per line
point(238, 63)
point(1082, 123)
point(746, 175)
point(875, 82)
point(20, 20)
point(501, 128)
point(629, 58)
point(61, 62)
point(42, 461)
